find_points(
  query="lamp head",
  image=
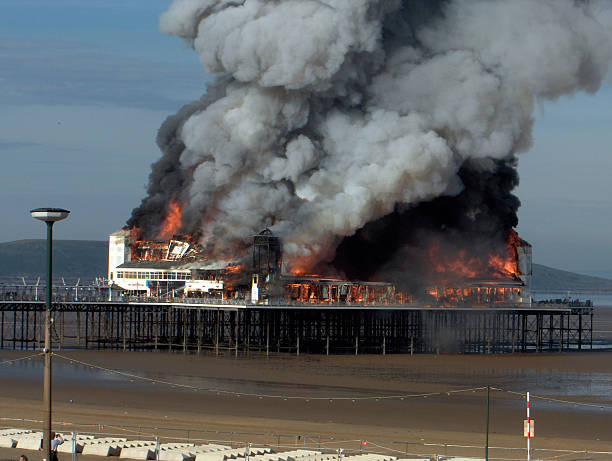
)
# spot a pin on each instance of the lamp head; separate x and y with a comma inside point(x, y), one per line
point(49, 214)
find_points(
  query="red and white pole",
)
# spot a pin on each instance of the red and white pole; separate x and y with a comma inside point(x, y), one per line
point(528, 430)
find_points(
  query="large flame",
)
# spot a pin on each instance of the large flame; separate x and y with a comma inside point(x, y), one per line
point(503, 267)
point(172, 223)
point(456, 266)
point(461, 264)
point(506, 266)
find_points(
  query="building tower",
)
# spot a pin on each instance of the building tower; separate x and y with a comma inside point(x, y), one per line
point(267, 262)
point(267, 254)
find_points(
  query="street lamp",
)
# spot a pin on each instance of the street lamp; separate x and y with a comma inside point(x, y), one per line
point(49, 216)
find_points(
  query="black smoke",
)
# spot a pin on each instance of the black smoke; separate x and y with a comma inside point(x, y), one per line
point(168, 179)
point(477, 220)
point(365, 133)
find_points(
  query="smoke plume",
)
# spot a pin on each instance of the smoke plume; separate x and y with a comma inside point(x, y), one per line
point(359, 130)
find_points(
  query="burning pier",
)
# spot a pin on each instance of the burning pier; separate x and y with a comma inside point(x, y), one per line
point(167, 294)
point(180, 268)
point(384, 156)
point(152, 325)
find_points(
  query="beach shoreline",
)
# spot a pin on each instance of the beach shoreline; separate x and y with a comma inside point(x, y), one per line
point(258, 398)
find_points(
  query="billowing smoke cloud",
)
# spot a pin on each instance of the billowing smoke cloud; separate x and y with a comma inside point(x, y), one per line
point(354, 128)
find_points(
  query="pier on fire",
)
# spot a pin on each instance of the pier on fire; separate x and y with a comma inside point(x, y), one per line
point(192, 325)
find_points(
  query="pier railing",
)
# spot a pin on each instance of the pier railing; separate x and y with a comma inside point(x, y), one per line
point(101, 294)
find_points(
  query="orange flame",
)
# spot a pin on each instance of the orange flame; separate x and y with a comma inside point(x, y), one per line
point(233, 268)
point(503, 267)
point(303, 267)
point(507, 266)
point(458, 265)
point(172, 223)
point(461, 265)
point(475, 296)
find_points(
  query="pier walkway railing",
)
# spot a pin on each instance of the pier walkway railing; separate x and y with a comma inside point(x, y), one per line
point(100, 293)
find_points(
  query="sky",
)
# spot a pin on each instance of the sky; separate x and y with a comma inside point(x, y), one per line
point(84, 86)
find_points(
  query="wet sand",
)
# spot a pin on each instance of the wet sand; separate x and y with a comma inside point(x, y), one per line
point(130, 406)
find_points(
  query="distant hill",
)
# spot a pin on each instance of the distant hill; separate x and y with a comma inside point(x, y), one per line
point(71, 258)
point(548, 279)
point(89, 258)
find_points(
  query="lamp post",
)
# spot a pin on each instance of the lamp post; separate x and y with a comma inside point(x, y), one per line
point(49, 216)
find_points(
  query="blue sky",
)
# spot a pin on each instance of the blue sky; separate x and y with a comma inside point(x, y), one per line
point(84, 85)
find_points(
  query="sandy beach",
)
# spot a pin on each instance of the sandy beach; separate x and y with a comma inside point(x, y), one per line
point(330, 409)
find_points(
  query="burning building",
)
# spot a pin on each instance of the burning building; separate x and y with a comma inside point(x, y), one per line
point(377, 139)
point(179, 268)
point(162, 268)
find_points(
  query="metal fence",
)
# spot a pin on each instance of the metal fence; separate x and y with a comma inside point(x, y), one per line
point(283, 442)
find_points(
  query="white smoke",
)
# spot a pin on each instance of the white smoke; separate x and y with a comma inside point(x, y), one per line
point(338, 110)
